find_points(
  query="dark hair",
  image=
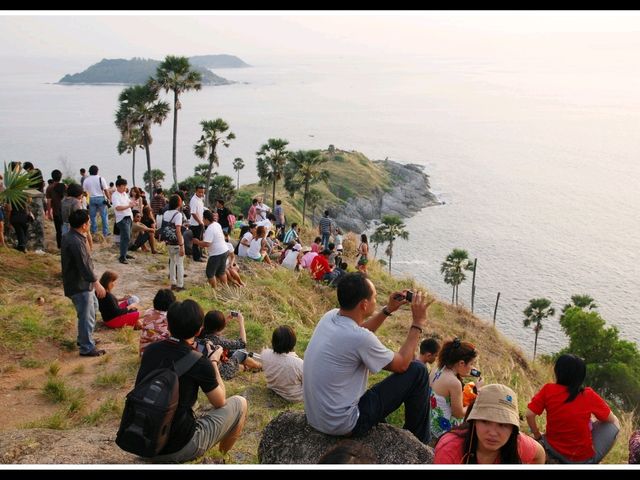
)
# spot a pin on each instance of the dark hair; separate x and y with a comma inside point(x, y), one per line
point(184, 319)
point(27, 165)
point(344, 265)
point(56, 175)
point(174, 201)
point(508, 452)
point(93, 170)
point(352, 289)
point(318, 240)
point(107, 277)
point(157, 191)
point(326, 213)
point(208, 215)
point(74, 190)
point(163, 299)
point(220, 201)
point(363, 238)
point(135, 212)
point(429, 345)
point(121, 181)
point(294, 224)
point(349, 451)
point(283, 339)
point(278, 202)
point(83, 171)
point(455, 350)
point(570, 371)
point(254, 201)
point(77, 218)
point(214, 322)
point(111, 184)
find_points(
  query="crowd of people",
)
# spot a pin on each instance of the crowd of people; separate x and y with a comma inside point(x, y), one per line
point(447, 407)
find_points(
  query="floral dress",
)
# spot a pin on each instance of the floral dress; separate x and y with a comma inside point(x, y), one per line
point(441, 419)
point(228, 365)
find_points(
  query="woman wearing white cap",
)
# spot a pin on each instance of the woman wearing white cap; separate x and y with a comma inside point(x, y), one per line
point(491, 434)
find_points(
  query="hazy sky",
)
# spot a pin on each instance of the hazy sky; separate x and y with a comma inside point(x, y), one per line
point(260, 35)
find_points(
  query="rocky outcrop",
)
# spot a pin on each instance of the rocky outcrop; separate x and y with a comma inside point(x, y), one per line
point(45, 446)
point(288, 439)
point(409, 194)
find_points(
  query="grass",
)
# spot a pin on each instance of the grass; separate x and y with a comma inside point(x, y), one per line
point(54, 368)
point(110, 409)
point(56, 390)
point(112, 380)
point(31, 363)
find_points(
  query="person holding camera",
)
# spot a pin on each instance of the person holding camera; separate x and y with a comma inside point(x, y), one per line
point(99, 199)
point(235, 356)
point(344, 349)
point(455, 360)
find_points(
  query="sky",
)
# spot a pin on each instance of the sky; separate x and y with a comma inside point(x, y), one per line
point(257, 35)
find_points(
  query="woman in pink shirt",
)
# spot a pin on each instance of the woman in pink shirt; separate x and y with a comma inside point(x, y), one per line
point(491, 434)
point(571, 437)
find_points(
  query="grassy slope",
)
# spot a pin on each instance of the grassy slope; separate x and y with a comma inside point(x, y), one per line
point(39, 359)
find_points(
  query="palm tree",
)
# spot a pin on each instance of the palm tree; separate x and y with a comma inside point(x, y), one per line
point(16, 182)
point(304, 169)
point(129, 142)
point(140, 108)
point(389, 230)
point(538, 310)
point(584, 302)
point(238, 164)
point(271, 160)
point(313, 199)
point(453, 269)
point(213, 133)
point(175, 74)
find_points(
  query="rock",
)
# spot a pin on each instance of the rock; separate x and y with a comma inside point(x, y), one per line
point(79, 446)
point(288, 439)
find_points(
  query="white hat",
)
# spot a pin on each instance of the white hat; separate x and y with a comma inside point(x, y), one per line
point(339, 247)
point(297, 247)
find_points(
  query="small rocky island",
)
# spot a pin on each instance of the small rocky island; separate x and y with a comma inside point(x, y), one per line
point(120, 71)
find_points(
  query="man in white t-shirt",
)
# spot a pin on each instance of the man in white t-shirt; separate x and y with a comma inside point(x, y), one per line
point(122, 205)
point(245, 241)
point(215, 243)
point(261, 210)
point(196, 221)
point(99, 196)
point(344, 349)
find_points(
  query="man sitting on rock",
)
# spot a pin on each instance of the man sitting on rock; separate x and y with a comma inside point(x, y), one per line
point(344, 349)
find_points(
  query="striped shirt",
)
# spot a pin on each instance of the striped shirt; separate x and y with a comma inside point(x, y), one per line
point(290, 235)
point(325, 225)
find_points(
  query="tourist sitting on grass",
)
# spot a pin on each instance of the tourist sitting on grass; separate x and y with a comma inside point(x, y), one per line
point(429, 349)
point(234, 357)
point(491, 434)
point(154, 321)
point(115, 312)
point(233, 271)
point(571, 436)
point(258, 249)
point(320, 267)
point(282, 367)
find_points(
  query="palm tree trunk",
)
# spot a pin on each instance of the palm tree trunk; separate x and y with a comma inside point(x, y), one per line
point(535, 346)
point(175, 136)
point(457, 288)
point(238, 184)
point(390, 254)
point(453, 294)
point(273, 193)
point(133, 166)
point(304, 201)
point(206, 192)
point(148, 152)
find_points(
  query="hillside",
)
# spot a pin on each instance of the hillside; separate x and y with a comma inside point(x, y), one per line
point(129, 72)
point(218, 61)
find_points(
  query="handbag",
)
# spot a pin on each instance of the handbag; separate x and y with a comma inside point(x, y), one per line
point(168, 231)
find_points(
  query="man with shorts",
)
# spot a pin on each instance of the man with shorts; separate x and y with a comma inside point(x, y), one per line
point(213, 241)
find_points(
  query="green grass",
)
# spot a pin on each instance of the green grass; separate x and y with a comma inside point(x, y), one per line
point(112, 380)
point(110, 409)
point(31, 363)
point(58, 421)
point(54, 368)
point(56, 390)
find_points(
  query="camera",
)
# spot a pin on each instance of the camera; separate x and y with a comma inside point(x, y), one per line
point(475, 372)
point(409, 296)
point(234, 313)
point(107, 203)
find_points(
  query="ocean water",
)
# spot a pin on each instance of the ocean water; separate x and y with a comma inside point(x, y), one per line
point(536, 160)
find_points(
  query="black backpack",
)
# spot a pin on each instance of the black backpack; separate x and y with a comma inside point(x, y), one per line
point(168, 231)
point(150, 407)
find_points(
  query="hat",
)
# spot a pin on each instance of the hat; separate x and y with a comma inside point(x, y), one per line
point(297, 247)
point(339, 247)
point(496, 403)
point(306, 249)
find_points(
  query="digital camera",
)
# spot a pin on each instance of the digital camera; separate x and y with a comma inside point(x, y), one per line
point(475, 372)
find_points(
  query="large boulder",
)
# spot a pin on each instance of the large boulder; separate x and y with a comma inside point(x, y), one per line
point(288, 439)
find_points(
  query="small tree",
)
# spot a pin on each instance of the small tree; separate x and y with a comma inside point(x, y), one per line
point(536, 312)
point(389, 230)
point(238, 164)
point(304, 169)
point(453, 268)
point(16, 182)
point(272, 157)
point(157, 175)
point(213, 133)
point(584, 302)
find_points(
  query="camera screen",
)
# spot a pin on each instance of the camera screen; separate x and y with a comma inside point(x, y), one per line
point(409, 296)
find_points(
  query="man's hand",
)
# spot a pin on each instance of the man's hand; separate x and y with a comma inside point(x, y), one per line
point(396, 300)
point(419, 308)
point(100, 291)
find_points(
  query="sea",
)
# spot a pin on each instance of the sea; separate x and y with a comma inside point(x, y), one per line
point(536, 159)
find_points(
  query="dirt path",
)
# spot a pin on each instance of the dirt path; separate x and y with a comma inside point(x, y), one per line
point(21, 389)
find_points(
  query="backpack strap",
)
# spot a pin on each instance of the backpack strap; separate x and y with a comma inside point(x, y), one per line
point(173, 218)
point(183, 365)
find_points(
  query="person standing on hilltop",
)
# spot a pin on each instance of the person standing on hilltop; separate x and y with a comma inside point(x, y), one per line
point(344, 349)
point(80, 281)
point(325, 229)
point(99, 198)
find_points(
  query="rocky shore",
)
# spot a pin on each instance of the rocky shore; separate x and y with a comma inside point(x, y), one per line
point(409, 194)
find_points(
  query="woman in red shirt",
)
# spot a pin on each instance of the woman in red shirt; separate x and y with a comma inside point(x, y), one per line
point(571, 436)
